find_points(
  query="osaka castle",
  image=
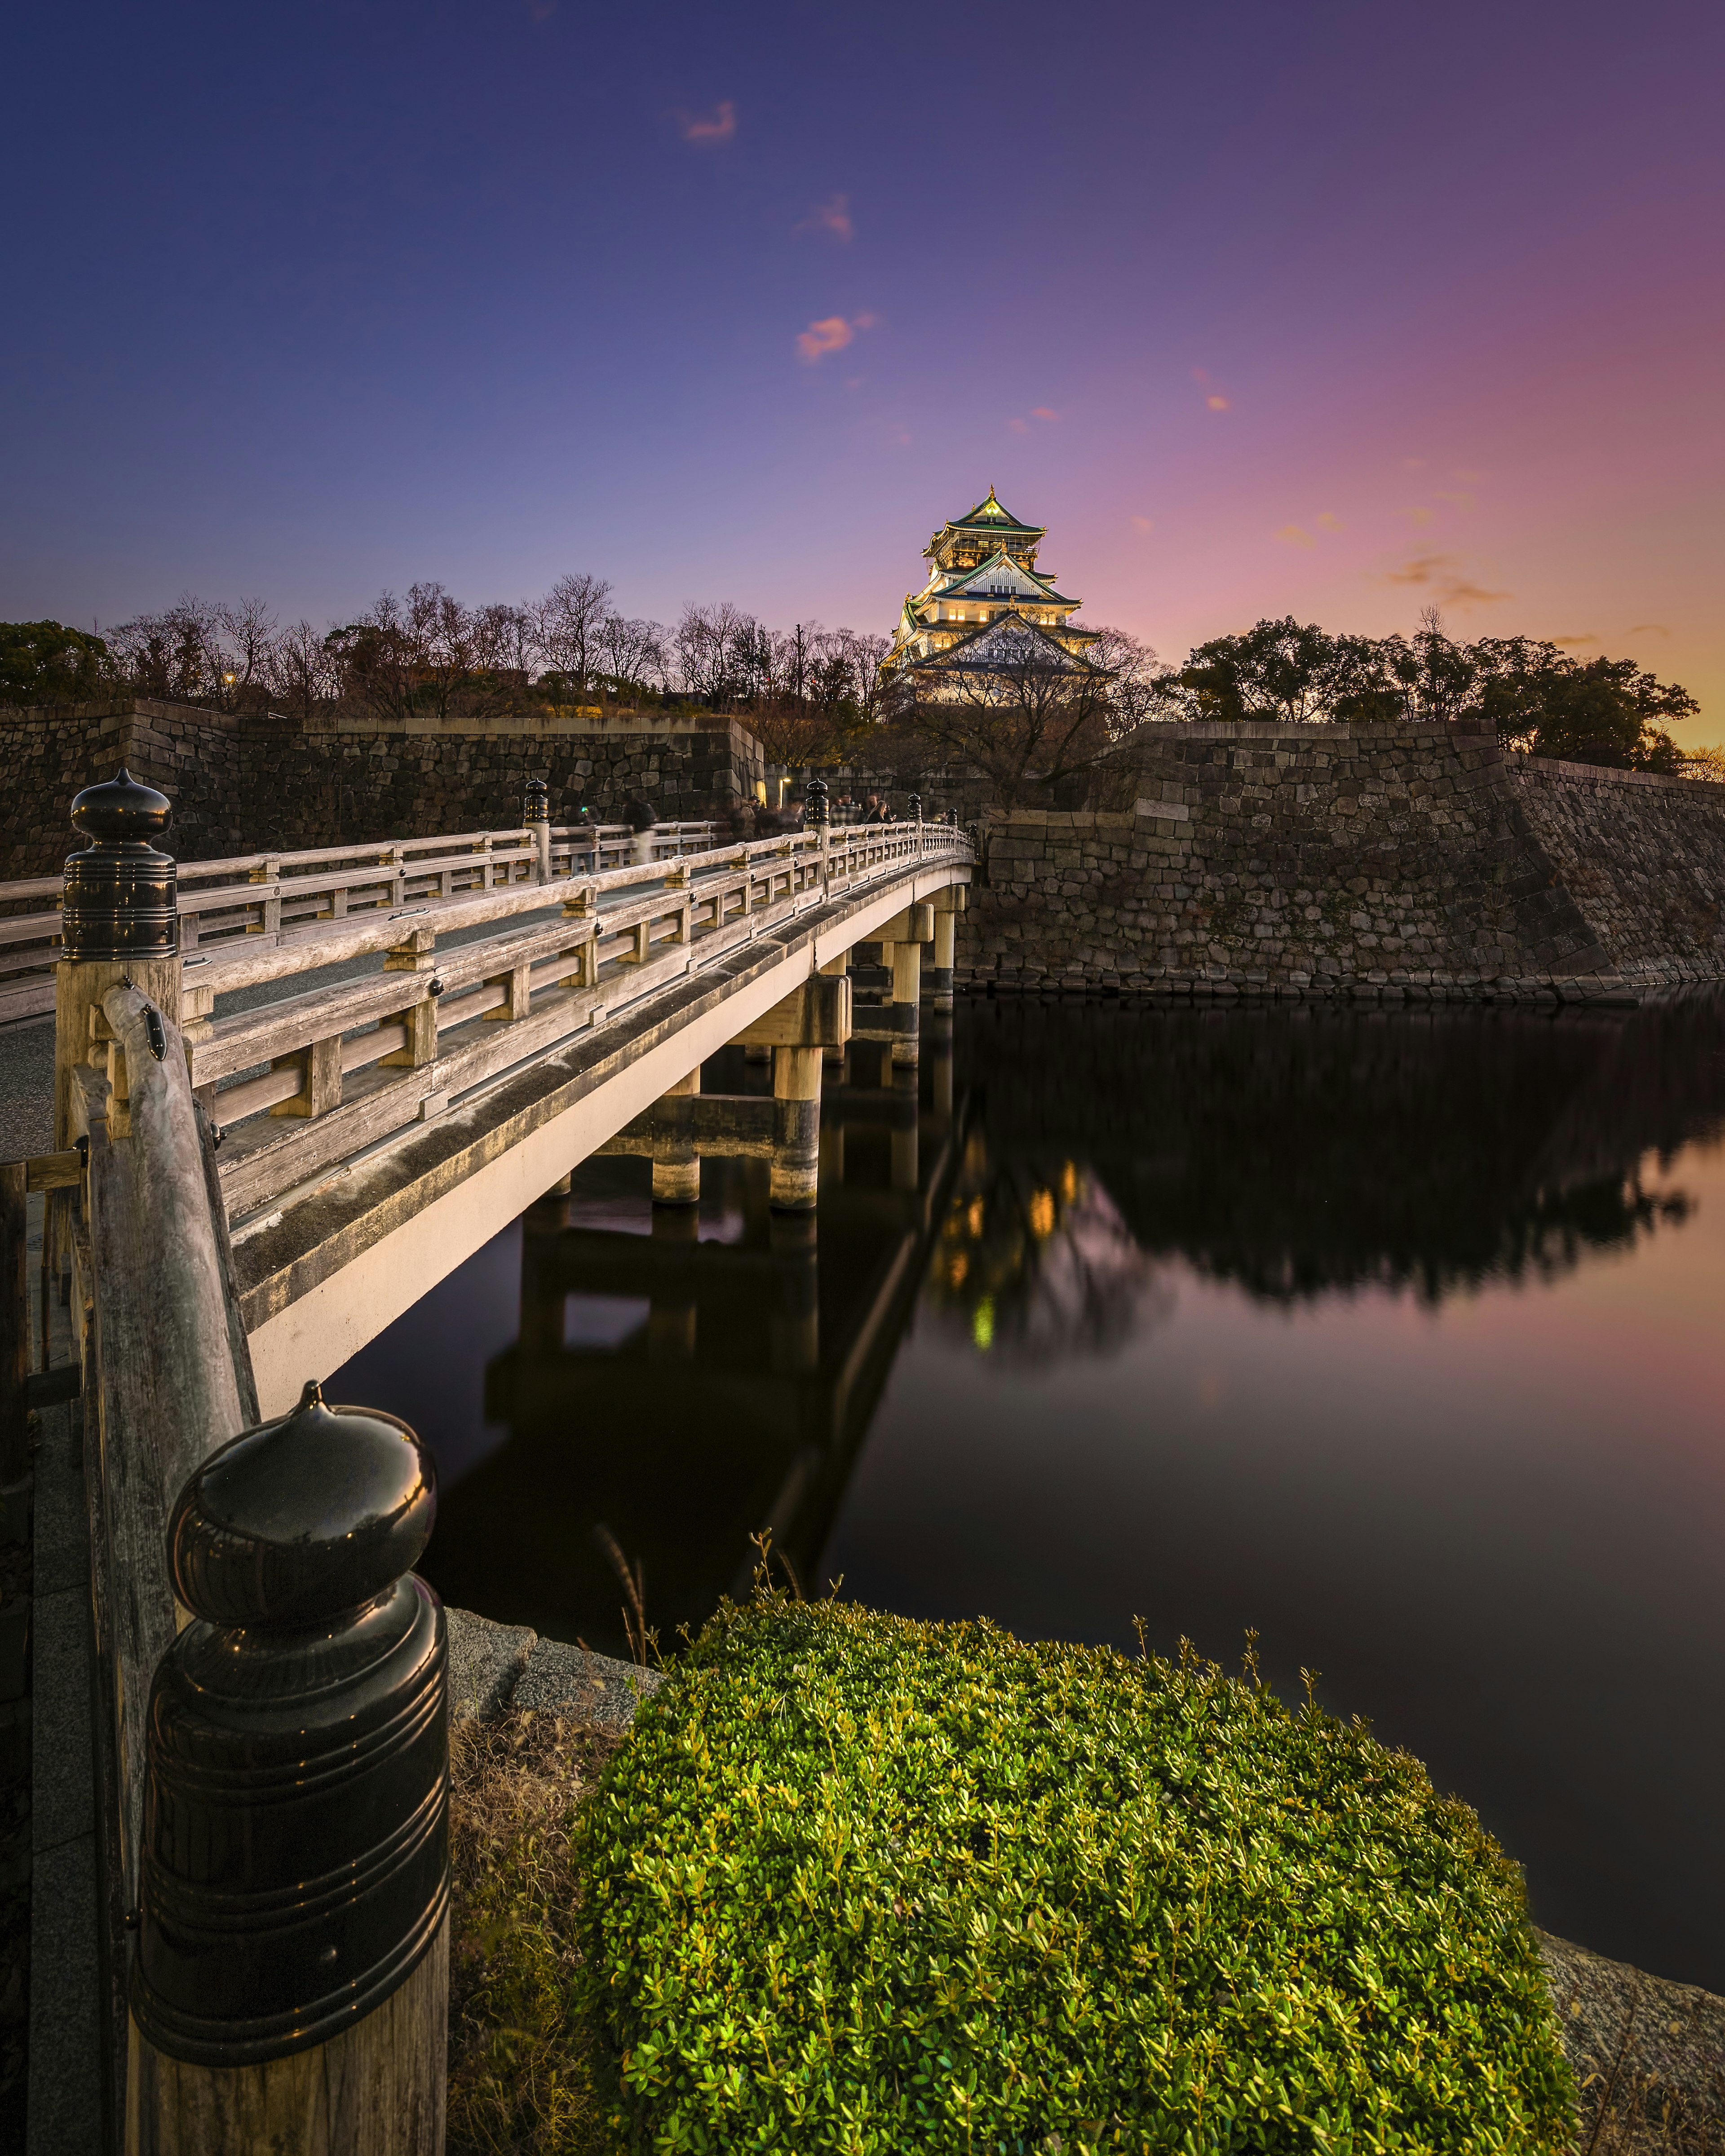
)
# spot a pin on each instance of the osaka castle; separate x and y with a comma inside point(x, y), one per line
point(986, 604)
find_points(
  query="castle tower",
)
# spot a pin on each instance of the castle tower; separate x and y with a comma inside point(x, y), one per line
point(983, 571)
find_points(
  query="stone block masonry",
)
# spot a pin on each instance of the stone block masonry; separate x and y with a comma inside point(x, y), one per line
point(242, 784)
point(1320, 860)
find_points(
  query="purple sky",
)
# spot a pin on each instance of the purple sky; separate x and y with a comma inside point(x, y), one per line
point(1335, 310)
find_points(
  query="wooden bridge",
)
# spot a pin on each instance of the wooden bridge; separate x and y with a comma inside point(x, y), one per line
point(294, 1092)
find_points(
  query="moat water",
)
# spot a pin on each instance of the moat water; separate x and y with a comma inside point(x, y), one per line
point(1397, 1339)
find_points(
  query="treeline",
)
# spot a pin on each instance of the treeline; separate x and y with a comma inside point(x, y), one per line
point(818, 695)
point(1534, 696)
point(431, 654)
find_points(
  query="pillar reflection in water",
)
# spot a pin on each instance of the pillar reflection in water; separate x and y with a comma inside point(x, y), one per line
point(686, 1375)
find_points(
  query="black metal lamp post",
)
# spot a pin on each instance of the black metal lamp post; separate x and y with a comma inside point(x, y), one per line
point(818, 810)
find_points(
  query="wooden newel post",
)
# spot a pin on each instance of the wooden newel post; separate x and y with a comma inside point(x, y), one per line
point(536, 814)
point(119, 921)
point(289, 1990)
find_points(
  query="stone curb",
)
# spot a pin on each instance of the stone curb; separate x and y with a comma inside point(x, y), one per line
point(494, 1668)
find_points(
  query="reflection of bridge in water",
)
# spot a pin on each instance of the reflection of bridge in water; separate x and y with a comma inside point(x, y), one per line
point(684, 1378)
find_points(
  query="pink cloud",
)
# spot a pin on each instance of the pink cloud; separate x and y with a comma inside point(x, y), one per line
point(1143, 524)
point(831, 333)
point(1042, 411)
point(710, 129)
point(833, 216)
point(1019, 426)
point(1442, 575)
point(1214, 401)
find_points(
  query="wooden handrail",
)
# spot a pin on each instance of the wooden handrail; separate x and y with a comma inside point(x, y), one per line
point(292, 868)
point(303, 1083)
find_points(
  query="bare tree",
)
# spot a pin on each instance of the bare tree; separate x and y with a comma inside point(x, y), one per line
point(568, 626)
point(723, 655)
point(504, 644)
point(864, 652)
point(303, 672)
point(1133, 670)
point(1022, 709)
point(631, 654)
point(376, 659)
point(241, 647)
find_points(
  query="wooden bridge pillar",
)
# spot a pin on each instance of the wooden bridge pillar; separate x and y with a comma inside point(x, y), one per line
point(798, 1032)
point(796, 1128)
point(938, 979)
point(834, 1054)
point(902, 939)
point(676, 1165)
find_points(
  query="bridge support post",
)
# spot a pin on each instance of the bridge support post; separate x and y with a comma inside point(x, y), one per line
point(937, 980)
point(797, 1034)
point(796, 1129)
point(834, 1052)
point(676, 1165)
point(902, 938)
point(298, 1732)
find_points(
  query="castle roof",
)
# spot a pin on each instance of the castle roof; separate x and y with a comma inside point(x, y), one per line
point(989, 516)
point(1009, 640)
point(1001, 573)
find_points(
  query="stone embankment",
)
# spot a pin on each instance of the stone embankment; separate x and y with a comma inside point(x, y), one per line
point(1374, 861)
point(242, 783)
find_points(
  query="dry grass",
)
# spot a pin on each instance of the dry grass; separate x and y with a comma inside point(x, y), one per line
point(523, 2074)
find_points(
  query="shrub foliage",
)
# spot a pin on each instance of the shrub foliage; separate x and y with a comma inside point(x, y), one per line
point(866, 1885)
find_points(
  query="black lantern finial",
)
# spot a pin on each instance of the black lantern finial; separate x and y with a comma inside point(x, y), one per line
point(121, 897)
point(295, 1866)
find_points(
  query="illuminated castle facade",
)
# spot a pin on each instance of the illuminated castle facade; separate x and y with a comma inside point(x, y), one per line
point(985, 602)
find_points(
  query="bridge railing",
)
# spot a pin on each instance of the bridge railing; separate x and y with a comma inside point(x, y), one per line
point(307, 1080)
point(269, 894)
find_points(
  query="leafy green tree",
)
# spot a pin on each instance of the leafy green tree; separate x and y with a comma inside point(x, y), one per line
point(1287, 671)
point(44, 662)
point(1607, 711)
point(1531, 694)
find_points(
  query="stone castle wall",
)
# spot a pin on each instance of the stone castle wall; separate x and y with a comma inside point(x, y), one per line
point(1309, 860)
point(238, 784)
point(1296, 861)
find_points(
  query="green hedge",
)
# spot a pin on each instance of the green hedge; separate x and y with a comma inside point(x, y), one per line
point(864, 1885)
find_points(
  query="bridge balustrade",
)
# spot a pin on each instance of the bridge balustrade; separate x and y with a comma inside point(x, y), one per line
point(310, 1078)
point(269, 896)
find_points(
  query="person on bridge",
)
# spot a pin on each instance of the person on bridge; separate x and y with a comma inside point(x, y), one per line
point(639, 814)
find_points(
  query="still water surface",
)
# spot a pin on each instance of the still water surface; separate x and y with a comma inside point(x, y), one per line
point(1397, 1339)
